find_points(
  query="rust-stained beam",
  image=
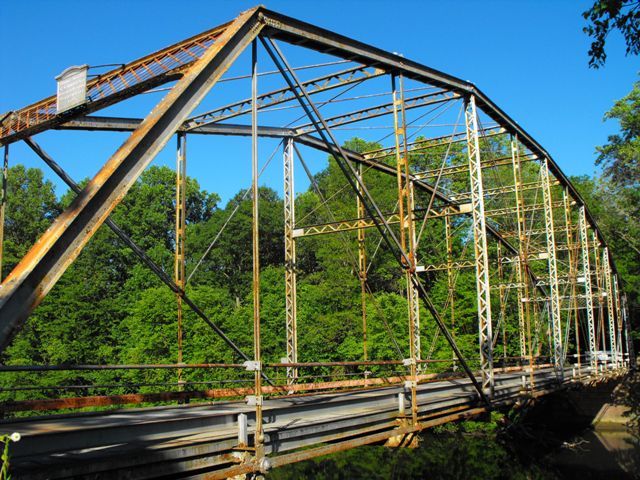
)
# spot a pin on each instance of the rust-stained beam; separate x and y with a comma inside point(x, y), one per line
point(433, 98)
point(56, 249)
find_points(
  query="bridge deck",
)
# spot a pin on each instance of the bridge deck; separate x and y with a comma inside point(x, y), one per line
point(188, 439)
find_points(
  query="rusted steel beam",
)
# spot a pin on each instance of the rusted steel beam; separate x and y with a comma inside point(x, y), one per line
point(150, 366)
point(138, 398)
point(433, 98)
point(56, 249)
point(119, 124)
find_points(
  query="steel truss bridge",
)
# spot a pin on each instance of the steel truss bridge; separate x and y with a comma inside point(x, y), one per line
point(535, 249)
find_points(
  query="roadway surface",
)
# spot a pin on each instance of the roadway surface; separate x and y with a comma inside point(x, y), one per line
point(191, 440)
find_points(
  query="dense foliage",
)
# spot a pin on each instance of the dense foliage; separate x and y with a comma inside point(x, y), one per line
point(108, 308)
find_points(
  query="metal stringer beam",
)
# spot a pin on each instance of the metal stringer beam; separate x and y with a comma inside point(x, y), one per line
point(480, 247)
point(58, 247)
point(556, 319)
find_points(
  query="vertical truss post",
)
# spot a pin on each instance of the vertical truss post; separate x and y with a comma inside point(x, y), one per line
point(631, 360)
point(537, 322)
point(451, 291)
point(611, 314)
point(521, 265)
point(556, 319)
point(618, 305)
point(407, 233)
point(415, 303)
point(588, 291)
point(181, 210)
point(362, 262)
point(600, 328)
point(257, 357)
point(503, 302)
point(3, 202)
point(290, 262)
point(480, 247)
point(573, 270)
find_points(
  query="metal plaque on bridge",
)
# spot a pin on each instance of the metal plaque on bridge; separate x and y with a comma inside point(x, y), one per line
point(72, 88)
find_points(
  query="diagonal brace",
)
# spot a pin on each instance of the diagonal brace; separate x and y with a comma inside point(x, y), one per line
point(58, 247)
point(369, 203)
point(139, 252)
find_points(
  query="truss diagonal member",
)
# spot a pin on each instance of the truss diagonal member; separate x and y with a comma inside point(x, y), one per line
point(139, 252)
point(56, 249)
point(284, 95)
point(359, 189)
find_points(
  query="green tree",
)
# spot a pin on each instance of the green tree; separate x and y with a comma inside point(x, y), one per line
point(30, 209)
point(606, 16)
point(617, 213)
point(620, 157)
point(229, 262)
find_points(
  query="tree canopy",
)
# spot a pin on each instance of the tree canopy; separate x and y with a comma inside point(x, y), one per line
point(620, 157)
point(606, 16)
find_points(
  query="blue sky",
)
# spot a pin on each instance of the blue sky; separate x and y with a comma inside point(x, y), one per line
point(530, 57)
